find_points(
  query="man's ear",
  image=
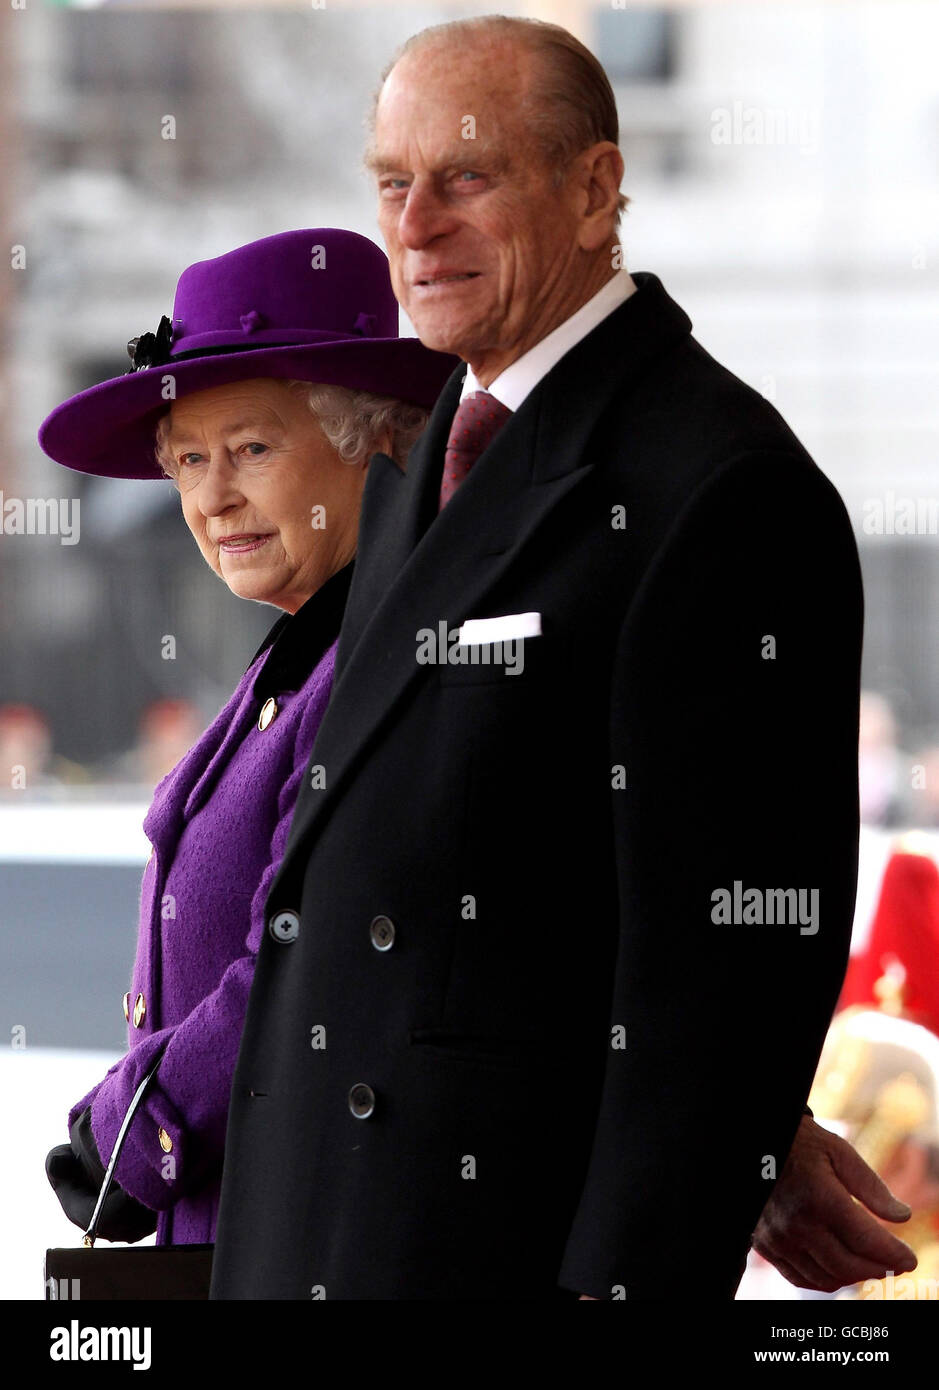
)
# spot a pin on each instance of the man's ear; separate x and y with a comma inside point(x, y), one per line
point(598, 173)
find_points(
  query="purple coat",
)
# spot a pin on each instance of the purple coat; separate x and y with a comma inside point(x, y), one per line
point(218, 825)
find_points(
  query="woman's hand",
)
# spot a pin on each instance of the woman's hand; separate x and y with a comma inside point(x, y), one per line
point(76, 1173)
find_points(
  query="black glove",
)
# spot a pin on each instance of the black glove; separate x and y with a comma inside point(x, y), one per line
point(76, 1173)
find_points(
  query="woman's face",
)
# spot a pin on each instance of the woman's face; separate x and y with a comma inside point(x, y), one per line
point(274, 509)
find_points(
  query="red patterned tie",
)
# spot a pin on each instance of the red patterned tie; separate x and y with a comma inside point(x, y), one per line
point(478, 419)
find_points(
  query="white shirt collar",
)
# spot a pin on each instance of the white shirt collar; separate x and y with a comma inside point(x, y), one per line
point(523, 375)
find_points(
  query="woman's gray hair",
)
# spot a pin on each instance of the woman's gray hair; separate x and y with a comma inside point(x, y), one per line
point(354, 422)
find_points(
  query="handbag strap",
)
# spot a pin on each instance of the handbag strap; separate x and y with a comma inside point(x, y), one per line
point(89, 1236)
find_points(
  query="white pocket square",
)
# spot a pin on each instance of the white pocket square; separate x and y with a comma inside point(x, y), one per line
point(506, 629)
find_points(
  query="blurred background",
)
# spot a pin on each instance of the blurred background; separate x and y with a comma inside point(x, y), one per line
point(783, 166)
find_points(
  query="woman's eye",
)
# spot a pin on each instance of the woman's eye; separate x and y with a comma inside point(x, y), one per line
point(255, 449)
point(189, 458)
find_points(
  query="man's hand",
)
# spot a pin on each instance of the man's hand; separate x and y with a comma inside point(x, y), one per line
point(813, 1231)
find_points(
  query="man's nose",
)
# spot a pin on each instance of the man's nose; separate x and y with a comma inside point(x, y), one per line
point(424, 217)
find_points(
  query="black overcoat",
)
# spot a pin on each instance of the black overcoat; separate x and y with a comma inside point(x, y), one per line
point(501, 1040)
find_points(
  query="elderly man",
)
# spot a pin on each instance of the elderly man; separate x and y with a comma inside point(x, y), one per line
point(566, 901)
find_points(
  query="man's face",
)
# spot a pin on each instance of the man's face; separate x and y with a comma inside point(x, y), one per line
point(483, 248)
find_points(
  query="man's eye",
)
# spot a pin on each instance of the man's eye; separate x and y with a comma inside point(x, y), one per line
point(467, 174)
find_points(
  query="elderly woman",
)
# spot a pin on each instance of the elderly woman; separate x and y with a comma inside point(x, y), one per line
point(284, 373)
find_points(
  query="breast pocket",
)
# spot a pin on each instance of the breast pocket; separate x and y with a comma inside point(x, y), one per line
point(516, 660)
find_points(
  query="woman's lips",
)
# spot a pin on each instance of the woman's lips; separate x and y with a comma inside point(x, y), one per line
point(242, 545)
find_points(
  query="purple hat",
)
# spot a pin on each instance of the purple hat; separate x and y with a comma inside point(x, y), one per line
point(315, 305)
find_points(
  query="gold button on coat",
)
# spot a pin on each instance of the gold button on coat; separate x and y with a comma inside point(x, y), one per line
point(140, 1010)
point(126, 1002)
point(268, 713)
point(166, 1143)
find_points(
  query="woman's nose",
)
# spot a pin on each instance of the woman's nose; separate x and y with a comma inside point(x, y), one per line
point(218, 487)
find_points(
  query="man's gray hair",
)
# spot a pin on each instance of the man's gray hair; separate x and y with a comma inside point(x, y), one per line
point(354, 422)
point(570, 104)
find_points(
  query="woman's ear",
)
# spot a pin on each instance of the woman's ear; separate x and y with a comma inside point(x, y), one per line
point(383, 444)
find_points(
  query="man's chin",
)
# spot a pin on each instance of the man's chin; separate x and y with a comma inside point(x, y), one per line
point(444, 336)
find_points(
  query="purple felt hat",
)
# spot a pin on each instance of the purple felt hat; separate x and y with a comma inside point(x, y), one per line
point(315, 304)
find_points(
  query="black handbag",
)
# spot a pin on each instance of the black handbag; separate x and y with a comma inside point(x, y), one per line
point(152, 1272)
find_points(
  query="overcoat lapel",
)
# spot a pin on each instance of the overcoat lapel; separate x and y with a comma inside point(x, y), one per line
point(415, 570)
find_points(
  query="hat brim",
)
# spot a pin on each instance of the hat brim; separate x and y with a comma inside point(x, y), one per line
point(109, 429)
